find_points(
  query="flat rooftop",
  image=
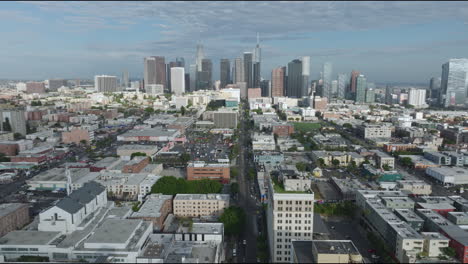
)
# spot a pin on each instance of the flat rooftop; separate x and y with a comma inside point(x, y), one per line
point(8, 208)
point(152, 206)
point(58, 174)
point(115, 231)
point(28, 238)
point(137, 147)
point(335, 247)
point(211, 196)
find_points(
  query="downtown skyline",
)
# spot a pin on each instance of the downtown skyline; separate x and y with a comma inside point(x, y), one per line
point(387, 41)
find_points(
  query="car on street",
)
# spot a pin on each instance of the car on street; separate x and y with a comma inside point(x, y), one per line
point(234, 252)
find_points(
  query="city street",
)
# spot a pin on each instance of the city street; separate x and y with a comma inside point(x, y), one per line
point(246, 253)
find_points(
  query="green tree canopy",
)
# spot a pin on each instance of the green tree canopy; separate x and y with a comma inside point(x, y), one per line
point(301, 166)
point(171, 185)
point(233, 219)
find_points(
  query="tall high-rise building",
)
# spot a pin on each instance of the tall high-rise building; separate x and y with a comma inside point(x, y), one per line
point(277, 81)
point(105, 83)
point(248, 73)
point(343, 80)
point(256, 64)
point(417, 97)
point(388, 95)
point(54, 84)
point(193, 77)
point(155, 70)
point(265, 86)
point(125, 79)
point(352, 84)
point(35, 87)
point(454, 83)
point(327, 78)
point(187, 82)
point(225, 72)
point(305, 75)
point(361, 86)
point(178, 80)
point(434, 87)
point(180, 62)
point(290, 216)
point(13, 120)
point(199, 57)
point(239, 70)
point(296, 87)
point(370, 95)
point(204, 77)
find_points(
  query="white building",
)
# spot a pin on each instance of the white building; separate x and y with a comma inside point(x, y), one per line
point(449, 175)
point(154, 89)
point(197, 205)
point(70, 212)
point(263, 142)
point(105, 83)
point(178, 80)
point(289, 217)
point(417, 97)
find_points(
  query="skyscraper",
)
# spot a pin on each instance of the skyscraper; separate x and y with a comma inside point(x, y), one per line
point(125, 79)
point(370, 95)
point(178, 80)
point(193, 77)
point(199, 57)
point(204, 77)
point(352, 84)
point(361, 86)
point(343, 80)
point(388, 95)
point(105, 83)
point(327, 78)
point(256, 64)
point(454, 83)
point(239, 70)
point(277, 81)
point(265, 86)
point(305, 75)
point(13, 120)
point(155, 70)
point(434, 87)
point(225, 76)
point(417, 97)
point(248, 74)
point(296, 77)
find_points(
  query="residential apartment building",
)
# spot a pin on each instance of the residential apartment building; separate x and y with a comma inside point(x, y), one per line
point(289, 217)
point(374, 131)
point(200, 205)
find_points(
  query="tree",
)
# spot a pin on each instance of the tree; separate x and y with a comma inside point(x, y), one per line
point(182, 110)
point(234, 172)
point(4, 158)
point(18, 136)
point(406, 161)
point(171, 186)
point(7, 125)
point(136, 206)
point(301, 166)
point(336, 162)
point(449, 251)
point(347, 125)
point(293, 148)
point(149, 110)
point(233, 219)
point(386, 167)
point(185, 157)
point(321, 162)
point(234, 188)
point(83, 142)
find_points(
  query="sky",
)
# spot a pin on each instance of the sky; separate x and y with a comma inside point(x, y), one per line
point(386, 41)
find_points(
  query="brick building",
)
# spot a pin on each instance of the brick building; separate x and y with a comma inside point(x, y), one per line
point(212, 171)
point(9, 148)
point(75, 136)
point(13, 216)
point(283, 130)
point(135, 165)
point(155, 209)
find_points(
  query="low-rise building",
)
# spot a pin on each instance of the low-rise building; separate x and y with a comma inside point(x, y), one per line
point(374, 131)
point(200, 205)
point(263, 142)
point(268, 157)
point(383, 159)
point(415, 187)
point(449, 175)
point(434, 242)
point(325, 251)
point(198, 170)
point(13, 216)
point(410, 217)
point(155, 209)
point(126, 151)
